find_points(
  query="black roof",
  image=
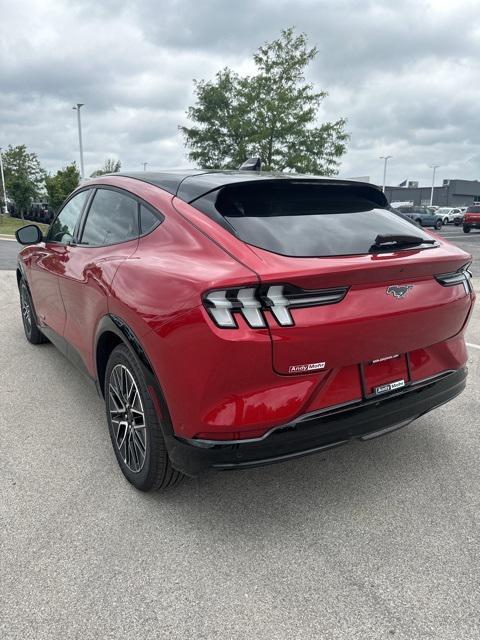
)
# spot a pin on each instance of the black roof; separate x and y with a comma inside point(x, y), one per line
point(190, 184)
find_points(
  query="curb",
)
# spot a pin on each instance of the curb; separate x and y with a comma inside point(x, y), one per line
point(5, 237)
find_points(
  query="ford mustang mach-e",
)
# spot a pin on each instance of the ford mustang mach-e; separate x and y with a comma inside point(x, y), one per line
point(235, 319)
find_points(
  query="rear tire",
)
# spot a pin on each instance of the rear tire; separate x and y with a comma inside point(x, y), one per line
point(29, 317)
point(134, 427)
point(458, 222)
point(438, 224)
point(445, 221)
point(466, 228)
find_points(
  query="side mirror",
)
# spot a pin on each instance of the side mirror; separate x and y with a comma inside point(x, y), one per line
point(30, 234)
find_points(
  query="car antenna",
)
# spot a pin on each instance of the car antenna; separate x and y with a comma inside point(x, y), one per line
point(252, 164)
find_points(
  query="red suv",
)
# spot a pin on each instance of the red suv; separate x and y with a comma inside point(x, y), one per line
point(235, 319)
point(471, 219)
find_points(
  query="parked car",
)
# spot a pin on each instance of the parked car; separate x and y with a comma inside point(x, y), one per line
point(450, 214)
point(38, 212)
point(402, 215)
point(422, 216)
point(236, 319)
point(471, 219)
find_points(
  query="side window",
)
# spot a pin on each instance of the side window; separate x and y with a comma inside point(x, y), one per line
point(63, 227)
point(148, 220)
point(112, 218)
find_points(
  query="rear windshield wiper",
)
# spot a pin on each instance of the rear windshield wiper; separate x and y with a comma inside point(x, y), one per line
point(395, 241)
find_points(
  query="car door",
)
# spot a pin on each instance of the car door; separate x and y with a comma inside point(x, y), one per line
point(108, 236)
point(48, 262)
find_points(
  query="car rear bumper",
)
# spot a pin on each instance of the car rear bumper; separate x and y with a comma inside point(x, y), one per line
point(318, 431)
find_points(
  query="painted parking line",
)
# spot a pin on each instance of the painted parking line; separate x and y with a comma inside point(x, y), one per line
point(473, 346)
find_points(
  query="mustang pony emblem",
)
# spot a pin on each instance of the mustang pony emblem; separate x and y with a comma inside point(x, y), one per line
point(399, 291)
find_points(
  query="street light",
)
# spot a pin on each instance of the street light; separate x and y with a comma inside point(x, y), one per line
point(434, 167)
point(144, 165)
point(385, 160)
point(5, 210)
point(80, 143)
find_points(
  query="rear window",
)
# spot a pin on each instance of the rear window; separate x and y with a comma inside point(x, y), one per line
point(305, 220)
point(475, 209)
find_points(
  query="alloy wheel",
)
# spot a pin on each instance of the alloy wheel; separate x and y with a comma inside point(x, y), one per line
point(127, 417)
point(26, 310)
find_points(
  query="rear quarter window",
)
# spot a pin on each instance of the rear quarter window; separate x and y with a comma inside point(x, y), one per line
point(305, 220)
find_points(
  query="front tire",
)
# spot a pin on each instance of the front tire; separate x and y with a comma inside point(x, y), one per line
point(466, 228)
point(134, 427)
point(29, 317)
point(438, 224)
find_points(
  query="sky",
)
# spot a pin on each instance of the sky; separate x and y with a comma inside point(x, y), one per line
point(405, 74)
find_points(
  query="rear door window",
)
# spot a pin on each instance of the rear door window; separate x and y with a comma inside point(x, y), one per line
point(304, 220)
point(112, 218)
point(148, 220)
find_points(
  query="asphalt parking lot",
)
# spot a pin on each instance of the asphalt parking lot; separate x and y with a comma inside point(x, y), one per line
point(372, 540)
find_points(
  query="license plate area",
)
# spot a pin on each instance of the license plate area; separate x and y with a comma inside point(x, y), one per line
point(385, 375)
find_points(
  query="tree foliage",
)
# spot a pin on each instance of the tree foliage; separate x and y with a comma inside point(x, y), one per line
point(24, 177)
point(60, 185)
point(109, 166)
point(272, 114)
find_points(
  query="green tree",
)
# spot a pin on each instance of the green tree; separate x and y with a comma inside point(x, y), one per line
point(60, 185)
point(109, 166)
point(272, 114)
point(24, 177)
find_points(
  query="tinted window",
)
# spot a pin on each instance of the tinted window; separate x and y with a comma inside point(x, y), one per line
point(112, 218)
point(297, 219)
point(148, 220)
point(475, 209)
point(63, 227)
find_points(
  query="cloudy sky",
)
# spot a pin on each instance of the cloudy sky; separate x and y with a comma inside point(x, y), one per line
point(405, 73)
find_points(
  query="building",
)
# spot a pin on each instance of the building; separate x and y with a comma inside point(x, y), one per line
point(453, 193)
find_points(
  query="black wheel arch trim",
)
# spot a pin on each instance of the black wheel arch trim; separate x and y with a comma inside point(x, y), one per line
point(22, 275)
point(21, 270)
point(112, 323)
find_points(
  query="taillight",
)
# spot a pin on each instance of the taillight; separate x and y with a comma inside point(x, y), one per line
point(252, 302)
point(462, 276)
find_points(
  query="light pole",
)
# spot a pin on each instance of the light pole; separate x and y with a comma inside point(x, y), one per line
point(434, 167)
point(80, 143)
point(5, 210)
point(144, 165)
point(385, 160)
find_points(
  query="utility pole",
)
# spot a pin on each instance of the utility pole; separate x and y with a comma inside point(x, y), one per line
point(80, 143)
point(144, 165)
point(5, 210)
point(385, 160)
point(434, 167)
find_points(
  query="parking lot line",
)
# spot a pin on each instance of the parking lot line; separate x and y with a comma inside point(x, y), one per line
point(474, 346)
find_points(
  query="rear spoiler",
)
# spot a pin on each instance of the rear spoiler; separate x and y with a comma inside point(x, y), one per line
point(196, 187)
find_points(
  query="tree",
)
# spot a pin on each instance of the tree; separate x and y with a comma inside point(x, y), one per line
point(24, 177)
point(60, 185)
point(109, 166)
point(272, 114)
